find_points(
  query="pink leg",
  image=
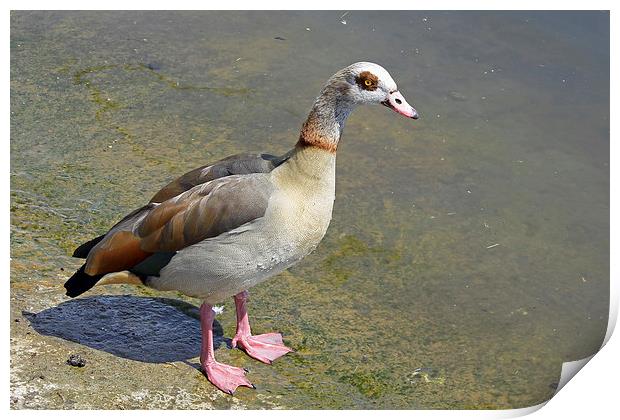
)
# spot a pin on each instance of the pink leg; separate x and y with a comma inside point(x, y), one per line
point(225, 377)
point(265, 347)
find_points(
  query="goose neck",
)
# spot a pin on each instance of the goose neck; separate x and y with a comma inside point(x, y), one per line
point(325, 123)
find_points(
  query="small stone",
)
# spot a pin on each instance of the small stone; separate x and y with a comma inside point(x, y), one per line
point(76, 360)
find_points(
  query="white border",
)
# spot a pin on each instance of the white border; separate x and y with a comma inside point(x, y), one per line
point(594, 394)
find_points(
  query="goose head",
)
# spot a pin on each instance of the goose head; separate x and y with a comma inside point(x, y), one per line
point(358, 84)
point(369, 83)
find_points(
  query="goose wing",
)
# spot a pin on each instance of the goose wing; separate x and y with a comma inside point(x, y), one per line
point(204, 211)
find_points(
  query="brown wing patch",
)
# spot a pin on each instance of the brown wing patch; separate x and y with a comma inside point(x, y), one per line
point(116, 253)
point(367, 80)
point(188, 223)
point(160, 216)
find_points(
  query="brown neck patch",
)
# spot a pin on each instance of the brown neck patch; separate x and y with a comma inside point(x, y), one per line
point(367, 81)
point(309, 138)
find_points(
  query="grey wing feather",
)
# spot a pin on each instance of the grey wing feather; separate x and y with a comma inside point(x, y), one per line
point(240, 164)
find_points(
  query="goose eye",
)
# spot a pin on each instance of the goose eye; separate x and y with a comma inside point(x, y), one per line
point(367, 81)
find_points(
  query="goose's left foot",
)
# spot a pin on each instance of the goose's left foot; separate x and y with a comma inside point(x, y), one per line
point(264, 347)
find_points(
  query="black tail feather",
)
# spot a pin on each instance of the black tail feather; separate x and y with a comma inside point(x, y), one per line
point(83, 250)
point(81, 282)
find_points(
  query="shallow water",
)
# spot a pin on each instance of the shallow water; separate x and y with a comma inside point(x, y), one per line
point(468, 255)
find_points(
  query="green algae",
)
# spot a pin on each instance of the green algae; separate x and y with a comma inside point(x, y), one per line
point(80, 78)
point(369, 384)
point(105, 105)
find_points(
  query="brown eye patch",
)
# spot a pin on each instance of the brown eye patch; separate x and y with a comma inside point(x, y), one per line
point(367, 81)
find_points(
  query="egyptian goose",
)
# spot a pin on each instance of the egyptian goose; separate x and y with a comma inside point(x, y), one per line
point(222, 228)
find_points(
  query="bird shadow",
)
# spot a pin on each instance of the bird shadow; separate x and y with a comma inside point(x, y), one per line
point(146, 329)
